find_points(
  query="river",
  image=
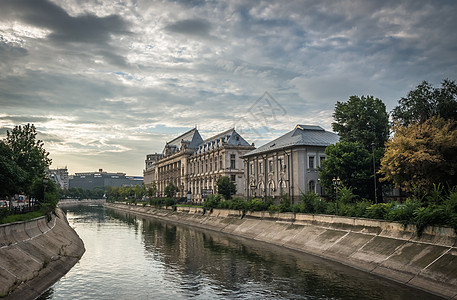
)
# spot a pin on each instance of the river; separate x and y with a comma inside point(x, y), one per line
point(132, 257)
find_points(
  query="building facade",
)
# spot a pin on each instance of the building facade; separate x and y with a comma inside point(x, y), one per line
point(289, 164)
point(59, 176)
point(149, 173)
point(90, 180)
point(193, 165)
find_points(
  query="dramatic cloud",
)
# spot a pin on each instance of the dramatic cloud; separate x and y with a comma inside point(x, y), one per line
point(108, 82)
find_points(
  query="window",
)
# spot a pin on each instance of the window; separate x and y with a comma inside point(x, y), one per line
point(260, 167)
point(233, 178)
point(252, 168)
point(210, 164)
point(312, 186)
point(270, 166)
point(280, 165)
point(232, 161)
point(220, 162)
point(310, 162)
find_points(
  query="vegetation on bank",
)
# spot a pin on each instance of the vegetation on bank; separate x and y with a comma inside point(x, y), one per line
point(23, 163)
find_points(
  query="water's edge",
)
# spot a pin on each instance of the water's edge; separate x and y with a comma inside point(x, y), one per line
point(378, 247)
point(36, 254)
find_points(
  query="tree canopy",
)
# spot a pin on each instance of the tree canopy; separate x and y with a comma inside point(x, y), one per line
point(422, 155)
point(170, 190)
point(226, 187)
point(28, 154)
point(363, 120)
point(425, 101)
point(353, 164)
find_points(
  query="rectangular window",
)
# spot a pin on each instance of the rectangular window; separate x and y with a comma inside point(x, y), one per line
point(210, 164)
point(233, 178)
point(232, 161)
point(252, 168)
point(280, 164)
point(220, 163)
point(310, 162)
point(260, 167)
point(270, 166)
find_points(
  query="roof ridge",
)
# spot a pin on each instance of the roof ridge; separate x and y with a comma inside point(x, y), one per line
point(177, 138)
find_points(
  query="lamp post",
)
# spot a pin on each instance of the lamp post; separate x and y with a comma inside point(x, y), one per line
point(374, 175)
point(336, 183)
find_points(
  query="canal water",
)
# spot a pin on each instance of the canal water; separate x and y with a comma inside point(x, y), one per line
point(132, 257)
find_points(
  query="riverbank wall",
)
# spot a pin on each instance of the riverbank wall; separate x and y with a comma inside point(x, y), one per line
point(74, 202)
point(36, 254)
point(379, 247)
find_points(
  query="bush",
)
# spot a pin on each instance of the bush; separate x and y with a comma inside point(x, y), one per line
point(428, 216)
point(358, 209)
point(162, 201)
point(284, 204)
point(403, 213)
point(379, 211)
point(312, 203)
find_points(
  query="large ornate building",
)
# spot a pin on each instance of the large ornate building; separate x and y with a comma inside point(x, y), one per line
point(194, 165)
point(289, 164)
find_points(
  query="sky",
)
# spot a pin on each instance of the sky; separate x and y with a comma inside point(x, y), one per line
point(107, 82)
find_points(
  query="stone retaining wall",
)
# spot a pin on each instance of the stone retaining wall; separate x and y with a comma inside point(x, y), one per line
point(379, 247)
point(35, 254)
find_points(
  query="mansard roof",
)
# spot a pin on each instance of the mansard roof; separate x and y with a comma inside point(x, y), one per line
point(301, 135)
point(192, 137)
point(228, 137)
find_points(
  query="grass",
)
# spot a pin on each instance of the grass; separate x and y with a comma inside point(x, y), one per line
point(22, 217)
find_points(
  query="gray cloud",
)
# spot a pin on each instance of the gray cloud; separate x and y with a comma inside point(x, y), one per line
point(65, 28)
point(191, 27)
point(106, 83)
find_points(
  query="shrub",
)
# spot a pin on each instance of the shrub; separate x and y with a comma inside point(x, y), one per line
point(403, 213)
point(284, 204)
point(379, 211)
point(428, 216)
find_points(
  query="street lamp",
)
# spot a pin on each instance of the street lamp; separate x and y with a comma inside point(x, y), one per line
point(336, 183)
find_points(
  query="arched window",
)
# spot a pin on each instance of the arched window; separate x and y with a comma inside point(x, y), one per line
point(271, 188)
point(312, 186)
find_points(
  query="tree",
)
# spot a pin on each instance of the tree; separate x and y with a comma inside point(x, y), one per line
point(352, 163)
point(151, 191)
point(170, 190)
point(421, 155)
point(425, 102)
point(363, 120)
point(28, 153)
point(12, 177)
point(226, 187)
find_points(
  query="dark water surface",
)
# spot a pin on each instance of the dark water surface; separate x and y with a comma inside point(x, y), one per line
point(130, 257)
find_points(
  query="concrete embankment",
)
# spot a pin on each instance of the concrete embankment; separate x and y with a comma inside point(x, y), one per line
point(73, 202)
point(35, 254)
point(378, 247)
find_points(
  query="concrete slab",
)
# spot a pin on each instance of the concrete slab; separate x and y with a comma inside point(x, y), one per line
point(348, 245)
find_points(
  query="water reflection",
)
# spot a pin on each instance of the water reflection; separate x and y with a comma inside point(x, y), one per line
point(146, 258)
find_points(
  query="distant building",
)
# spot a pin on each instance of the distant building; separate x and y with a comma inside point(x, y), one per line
point(59, 176)
point(194, 165)
point(90, 180)
point(289, 164)
point(149, 173)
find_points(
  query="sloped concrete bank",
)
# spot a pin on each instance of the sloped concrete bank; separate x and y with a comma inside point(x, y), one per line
point(379, 247)
point(36, 254)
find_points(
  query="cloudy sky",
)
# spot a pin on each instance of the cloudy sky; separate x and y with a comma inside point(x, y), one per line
point(107, 82)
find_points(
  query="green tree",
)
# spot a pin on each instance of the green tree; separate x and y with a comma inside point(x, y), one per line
point(12, 177)
point(362, 120)
point(425, 102)
point(422, 155)
point(171, 190)
point(226, 187)
point(352, 163)
point(28, 153)
point(151, 191)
